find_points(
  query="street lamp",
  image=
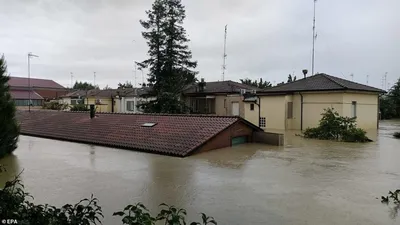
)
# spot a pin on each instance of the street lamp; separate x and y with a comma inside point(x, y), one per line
point(30, 55)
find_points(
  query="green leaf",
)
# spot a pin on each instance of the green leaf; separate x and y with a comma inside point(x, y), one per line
point(118, 214)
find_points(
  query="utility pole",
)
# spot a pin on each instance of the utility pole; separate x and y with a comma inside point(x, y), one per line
point(94, 79)
point(367, 79)
point(30, 55)
point(135, 74)
point(314, 37)
point(141, 69)
point(225, 55)
point(385, 81)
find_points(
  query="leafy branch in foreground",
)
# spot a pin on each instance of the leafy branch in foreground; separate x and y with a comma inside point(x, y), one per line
point(139, 215)
point(15, 204)
point(394, 197)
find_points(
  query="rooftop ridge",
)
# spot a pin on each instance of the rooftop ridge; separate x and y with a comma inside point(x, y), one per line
point(333, 80)
point(150, 114)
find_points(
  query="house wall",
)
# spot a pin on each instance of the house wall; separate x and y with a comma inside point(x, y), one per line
point(223, 139)
point(314, 105)
point(105, 104)
point(220, 107)
point(274, 111)
point(223, 104)
point(366, 108)
point(251, 116)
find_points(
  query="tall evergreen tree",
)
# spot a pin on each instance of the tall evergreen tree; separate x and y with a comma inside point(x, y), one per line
point(9, 129)
point(170, 63)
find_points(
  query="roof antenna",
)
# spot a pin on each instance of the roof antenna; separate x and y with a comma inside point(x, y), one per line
point(314, 38)
point(367, 79)
point(352, 77)
point(225, 55)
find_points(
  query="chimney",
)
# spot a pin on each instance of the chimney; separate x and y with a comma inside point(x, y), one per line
point(202, 85)
point(92, 111)
point(305, 71)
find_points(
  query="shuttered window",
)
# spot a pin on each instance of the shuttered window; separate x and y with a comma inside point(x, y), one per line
point(130, 106)
point(290, 110)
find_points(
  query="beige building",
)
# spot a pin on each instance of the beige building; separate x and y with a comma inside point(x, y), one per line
point(221, 98)
point(298, 105)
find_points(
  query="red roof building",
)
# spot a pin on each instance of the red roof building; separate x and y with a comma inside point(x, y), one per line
point(40, 89)
point(175, 135)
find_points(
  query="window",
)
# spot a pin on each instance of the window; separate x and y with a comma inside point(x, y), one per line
point(263, 122)
point(130, 106)
point(289, 110)
point(252, 106)
point(353, 109)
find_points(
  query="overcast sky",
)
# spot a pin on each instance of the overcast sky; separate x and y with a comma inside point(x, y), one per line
point(266, 38)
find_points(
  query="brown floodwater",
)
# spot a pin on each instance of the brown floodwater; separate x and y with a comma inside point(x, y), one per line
point(303, 182)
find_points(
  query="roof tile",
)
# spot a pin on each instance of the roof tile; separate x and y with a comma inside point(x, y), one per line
point(35, 82)
point(321, 82)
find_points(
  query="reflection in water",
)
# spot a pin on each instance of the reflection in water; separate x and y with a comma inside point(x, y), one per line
point(11, 165)
point(92, 156)
point(303, 182)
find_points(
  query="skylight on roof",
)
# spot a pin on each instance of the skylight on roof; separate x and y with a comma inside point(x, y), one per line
point(149, 124)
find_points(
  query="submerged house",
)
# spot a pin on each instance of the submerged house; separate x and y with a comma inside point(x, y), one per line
point(299, 104)
point(175, 135)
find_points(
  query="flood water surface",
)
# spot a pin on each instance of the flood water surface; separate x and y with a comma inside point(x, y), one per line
point(304, 182)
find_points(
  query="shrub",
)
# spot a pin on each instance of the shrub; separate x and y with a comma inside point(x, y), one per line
point(396, 135)
point(15, 205)
point(80, 107)
point(55, 106)
point(332, 126)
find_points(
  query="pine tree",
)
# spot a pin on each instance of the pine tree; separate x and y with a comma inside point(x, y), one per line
point(9, 129)
point(170, 64)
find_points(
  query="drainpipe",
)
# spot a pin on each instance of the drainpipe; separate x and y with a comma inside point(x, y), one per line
point(301, 112)
point(112, 104)
point(259, 110)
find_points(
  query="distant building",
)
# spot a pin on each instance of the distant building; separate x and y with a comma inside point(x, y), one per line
point(129, 100)
point(221, 98)
point(298, 105)
point(40, 90)
point(125, 100)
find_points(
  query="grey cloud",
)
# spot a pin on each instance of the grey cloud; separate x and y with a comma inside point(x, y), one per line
point(266, 38)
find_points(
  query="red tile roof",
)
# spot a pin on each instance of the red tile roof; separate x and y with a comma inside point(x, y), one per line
point(177, 135)
point(35, 82)
point(17, 94)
